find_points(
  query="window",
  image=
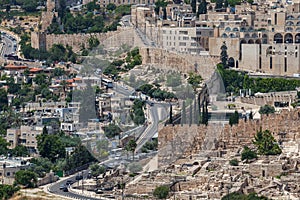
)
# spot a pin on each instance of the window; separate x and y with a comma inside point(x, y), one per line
point(7, 173)
point(271, 62)
point(185, 38)
point(259, 62)
point(183, 32)
point(182, 44)
point(285, 64)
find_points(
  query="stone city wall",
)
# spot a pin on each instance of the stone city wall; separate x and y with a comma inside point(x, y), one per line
point(180, 141)
point(185, 63)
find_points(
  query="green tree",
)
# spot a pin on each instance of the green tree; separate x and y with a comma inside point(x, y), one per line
point(266, 143)
point(111, 6)
point(7, 191)
point(3, 99)
point(266, 109)
point(40, 79)
point(202, 7)
point(3, 146)
point(41, 166)
point(131, 146)
point(79, 157)
point(97, 169)
point(161, 192)
point(234, 118)
point(50, 147)
point(112, 130)
point(26, 178)
point(224, 55)
point(20, 151)
point(160, 4)
point(248, 154)
point(93, 42)
point(195, 80)
point(194, 5)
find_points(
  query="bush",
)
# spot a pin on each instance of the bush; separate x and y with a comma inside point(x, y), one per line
point(266, 143)
point(161, 192)
point(266, 109)
point(248, 154)
point(234, 162)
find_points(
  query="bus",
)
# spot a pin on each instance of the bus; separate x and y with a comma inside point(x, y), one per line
point(107, 83)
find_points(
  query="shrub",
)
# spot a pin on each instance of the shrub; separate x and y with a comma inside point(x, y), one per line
point(161, 192)
point(248, 154)
point(234, 162)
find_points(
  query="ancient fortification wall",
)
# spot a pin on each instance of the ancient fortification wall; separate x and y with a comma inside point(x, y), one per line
point(185, 63)
point(177, 141)
point(111, 39)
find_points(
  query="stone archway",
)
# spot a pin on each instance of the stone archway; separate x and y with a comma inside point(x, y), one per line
point(278, 38)
point(231, 62)
point(288, 38)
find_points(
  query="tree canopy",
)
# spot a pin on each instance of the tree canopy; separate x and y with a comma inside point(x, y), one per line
point(112, 130)
point(266, 143)
point(50, 146)
point(161, 192)
point(248, 154)
point(234, 118)
point(97, 169)
point(266, 109)
point(7, 191)
point(26, 178)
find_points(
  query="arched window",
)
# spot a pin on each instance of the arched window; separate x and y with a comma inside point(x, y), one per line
point(289, 23)
point(227, 29)
point(288, 38)
point(278, 38)
point(289, 29)
point(232, 35)
point(264, 38)
point(224, 35)
point(231, 62)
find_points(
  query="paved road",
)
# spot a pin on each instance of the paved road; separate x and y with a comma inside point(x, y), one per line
point(55, 188)
point(152, 129)
point(123, 89)
point(8, 44)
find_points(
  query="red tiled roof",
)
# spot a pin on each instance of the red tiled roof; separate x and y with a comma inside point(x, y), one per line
point(35, 70)
point(15, 67)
